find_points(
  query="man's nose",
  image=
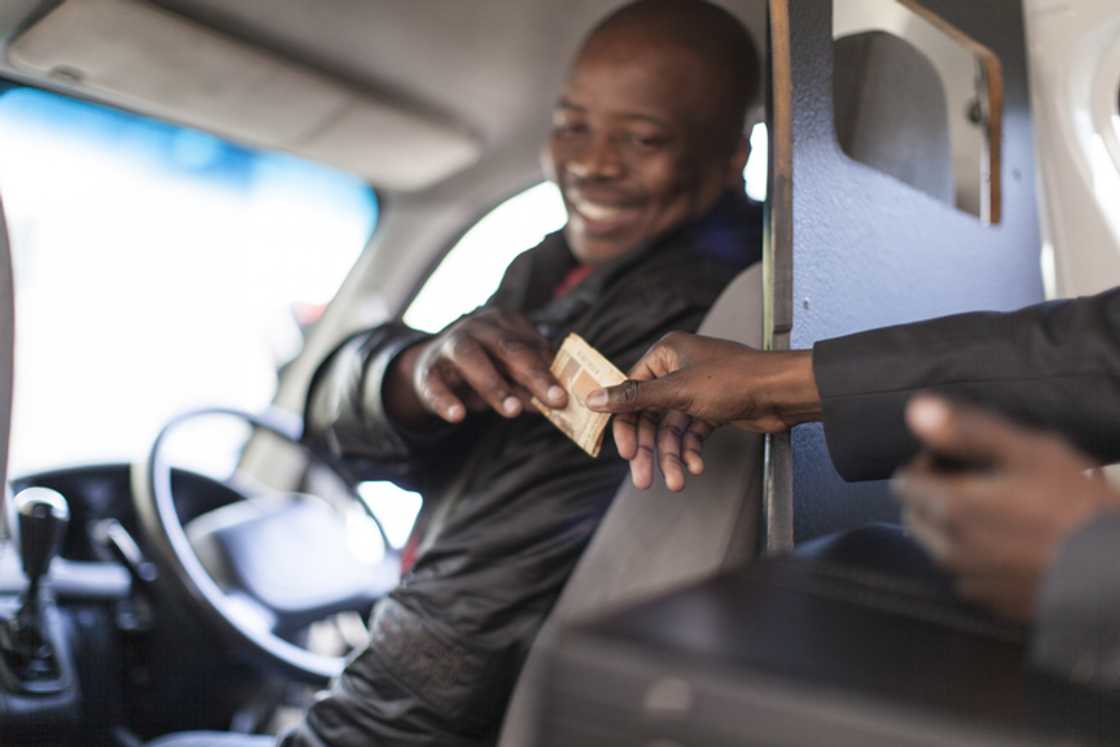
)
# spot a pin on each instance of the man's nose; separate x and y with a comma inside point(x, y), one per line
point(599, 159)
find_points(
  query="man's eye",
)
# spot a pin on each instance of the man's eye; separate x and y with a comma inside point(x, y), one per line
point(646, 142)
point(569, 130)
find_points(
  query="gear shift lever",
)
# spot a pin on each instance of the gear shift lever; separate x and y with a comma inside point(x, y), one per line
point(41, 519)
point(25, 642)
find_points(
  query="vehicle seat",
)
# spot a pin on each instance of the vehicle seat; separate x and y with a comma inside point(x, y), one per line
point(654, 540)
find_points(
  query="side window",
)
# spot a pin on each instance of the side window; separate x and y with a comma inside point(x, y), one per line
point(754, 175)
point(1116, 116)
point(472, 269)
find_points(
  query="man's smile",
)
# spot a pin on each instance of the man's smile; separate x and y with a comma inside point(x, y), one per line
point(599, 216)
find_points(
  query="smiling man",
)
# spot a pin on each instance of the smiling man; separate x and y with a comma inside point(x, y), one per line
point(648, 149)
point(649, 134)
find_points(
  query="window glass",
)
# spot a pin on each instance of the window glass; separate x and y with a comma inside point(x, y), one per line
point(471, 271)
point(1116, 118)
point(157, 268)
point(754, 175)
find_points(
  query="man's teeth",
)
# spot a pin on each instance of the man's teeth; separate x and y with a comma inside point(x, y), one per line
point(595, 211)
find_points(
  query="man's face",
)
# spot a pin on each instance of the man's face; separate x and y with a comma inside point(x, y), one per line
point(632, 147)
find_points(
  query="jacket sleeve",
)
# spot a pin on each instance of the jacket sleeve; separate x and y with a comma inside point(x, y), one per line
point(1077, 621)
point(367, 706)
point(345, 413)
point(1055, 365)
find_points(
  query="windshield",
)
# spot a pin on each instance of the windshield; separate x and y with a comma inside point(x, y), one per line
point(157, 268)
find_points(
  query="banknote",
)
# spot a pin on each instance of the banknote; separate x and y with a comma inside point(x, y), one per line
point(581, 369)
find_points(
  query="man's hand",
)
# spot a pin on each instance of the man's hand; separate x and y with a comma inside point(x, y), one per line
point(687, 385)
point(490, 359)
point(998, 525)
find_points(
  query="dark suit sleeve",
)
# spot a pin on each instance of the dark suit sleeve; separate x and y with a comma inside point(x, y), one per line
point(1055, 366)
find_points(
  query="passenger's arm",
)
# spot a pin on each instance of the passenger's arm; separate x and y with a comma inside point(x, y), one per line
point(345, 413)
point(687, 385)
point(387, 396)
point(1055, 365)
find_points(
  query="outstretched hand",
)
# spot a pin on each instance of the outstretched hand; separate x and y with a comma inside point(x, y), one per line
point(488, 360)
point(999, 522)
point(686, 385)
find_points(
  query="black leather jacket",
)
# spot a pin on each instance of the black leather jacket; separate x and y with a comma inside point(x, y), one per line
point(510, 504)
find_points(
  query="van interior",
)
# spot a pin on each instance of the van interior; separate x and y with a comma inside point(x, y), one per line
point(202, 198)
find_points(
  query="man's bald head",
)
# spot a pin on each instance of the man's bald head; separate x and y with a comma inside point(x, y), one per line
point(687, 33)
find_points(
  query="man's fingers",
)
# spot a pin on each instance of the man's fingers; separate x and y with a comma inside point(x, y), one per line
point(651, 384)
point(438, 397)
point(694, 437)
point(946, 544)
point(517, 349)
point(670, 443)
point(963, 520)
point(660, 360)
point(525, 329)
point(527, 363)
point(928, 533)
point(625, 429)
point(956, 498)
point(920, 492)
point(641, 466)
point(966, 433)
point(504, 359)
point(478, 371)
point(633, 395)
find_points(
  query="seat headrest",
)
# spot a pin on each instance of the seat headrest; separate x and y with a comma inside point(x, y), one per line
point(737, 313)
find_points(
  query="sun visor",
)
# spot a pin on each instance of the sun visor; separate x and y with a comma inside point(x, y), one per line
point(140, 56)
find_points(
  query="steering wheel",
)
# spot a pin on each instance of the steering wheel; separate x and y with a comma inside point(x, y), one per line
point(260, 570)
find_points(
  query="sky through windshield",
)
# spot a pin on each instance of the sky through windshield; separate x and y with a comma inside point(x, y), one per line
point(157, 269)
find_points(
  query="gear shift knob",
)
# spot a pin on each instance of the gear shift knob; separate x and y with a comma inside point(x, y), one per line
point(41, 518)
point(29, 646)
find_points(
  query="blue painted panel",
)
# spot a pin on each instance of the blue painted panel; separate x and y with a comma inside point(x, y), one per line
point(869, 251)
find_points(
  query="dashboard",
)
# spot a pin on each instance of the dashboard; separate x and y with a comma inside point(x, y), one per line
point(121, 632)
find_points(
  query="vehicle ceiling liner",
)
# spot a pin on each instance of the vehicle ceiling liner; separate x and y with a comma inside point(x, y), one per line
point(135, 54)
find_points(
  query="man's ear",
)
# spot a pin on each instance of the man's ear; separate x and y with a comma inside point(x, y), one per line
point(738, 161)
